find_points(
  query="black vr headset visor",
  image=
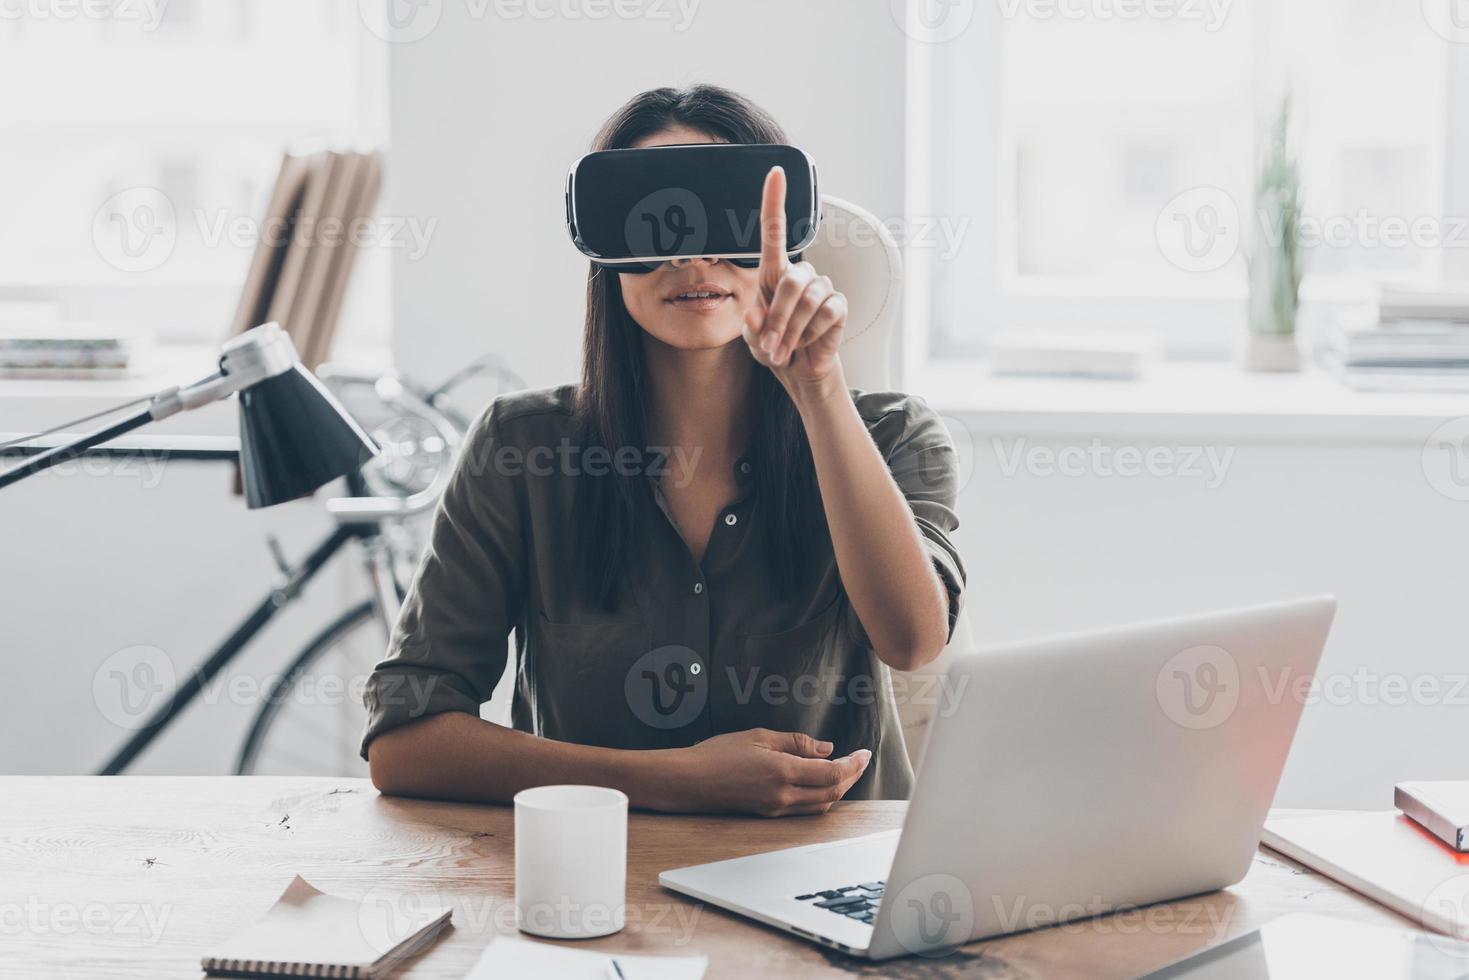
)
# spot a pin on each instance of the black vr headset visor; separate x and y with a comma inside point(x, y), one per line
point(632, 210)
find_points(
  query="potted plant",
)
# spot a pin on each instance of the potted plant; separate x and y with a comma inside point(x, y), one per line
point(1275, 262)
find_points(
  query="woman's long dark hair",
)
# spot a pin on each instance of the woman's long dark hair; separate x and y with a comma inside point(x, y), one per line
point(612, 399)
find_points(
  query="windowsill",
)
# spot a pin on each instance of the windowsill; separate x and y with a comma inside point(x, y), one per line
point(1198, 401)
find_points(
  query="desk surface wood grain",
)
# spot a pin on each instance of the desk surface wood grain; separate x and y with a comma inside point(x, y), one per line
point(140, 876)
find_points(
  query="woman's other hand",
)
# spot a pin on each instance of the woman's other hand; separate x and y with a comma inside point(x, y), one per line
point(774, 774)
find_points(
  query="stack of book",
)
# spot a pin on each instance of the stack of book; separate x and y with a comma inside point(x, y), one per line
point(319, 213)
point(71, 350)
point(1415, 340)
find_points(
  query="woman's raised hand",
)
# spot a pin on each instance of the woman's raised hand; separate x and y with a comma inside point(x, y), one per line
point(797, 325)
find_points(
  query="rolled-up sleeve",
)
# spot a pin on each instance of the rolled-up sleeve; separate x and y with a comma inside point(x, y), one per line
point(921, 456)
point(448, 647)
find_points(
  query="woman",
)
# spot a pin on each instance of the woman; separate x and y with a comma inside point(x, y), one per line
point(710, 551)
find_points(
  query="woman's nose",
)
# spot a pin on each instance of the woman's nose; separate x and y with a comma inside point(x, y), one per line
point(692, 260)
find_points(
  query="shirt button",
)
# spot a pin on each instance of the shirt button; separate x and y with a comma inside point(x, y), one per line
point(744, 467)
point(698, 588)
point(730, 519)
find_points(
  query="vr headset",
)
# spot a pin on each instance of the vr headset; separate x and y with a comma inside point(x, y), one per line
point(632, 210)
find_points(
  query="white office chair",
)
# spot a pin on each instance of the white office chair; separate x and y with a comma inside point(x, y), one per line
point(865, 264)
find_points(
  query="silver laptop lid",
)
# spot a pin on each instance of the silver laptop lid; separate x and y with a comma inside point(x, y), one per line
point(1068, 776)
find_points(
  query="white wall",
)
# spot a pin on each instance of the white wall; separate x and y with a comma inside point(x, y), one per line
point(100, 559)
point(1049, 553)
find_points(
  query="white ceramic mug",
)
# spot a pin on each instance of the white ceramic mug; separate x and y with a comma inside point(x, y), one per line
point(570, 861)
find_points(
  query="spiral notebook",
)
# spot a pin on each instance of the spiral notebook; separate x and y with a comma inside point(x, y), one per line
point(308, 933)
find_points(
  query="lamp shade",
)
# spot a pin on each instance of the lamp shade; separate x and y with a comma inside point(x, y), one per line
point(294, 438)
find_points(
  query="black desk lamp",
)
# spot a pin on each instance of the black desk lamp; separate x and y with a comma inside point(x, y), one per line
point(294, 436)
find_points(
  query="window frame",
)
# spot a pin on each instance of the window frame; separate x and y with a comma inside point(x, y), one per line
point(189, 310)
point(1191, 325)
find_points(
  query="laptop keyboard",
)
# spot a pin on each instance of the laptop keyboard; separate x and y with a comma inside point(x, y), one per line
point(857, 902)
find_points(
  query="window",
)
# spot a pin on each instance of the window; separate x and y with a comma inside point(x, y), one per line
point(1102, 155)
point(140, 139)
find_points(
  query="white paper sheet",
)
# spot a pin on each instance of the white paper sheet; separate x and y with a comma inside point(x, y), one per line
point(523, 958)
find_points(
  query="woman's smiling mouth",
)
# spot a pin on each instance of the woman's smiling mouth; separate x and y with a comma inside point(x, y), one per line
point(698, 297)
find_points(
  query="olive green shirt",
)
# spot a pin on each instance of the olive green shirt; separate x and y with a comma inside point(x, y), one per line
point(692, 649)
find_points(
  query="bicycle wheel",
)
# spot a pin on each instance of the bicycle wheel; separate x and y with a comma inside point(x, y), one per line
point(310, 723)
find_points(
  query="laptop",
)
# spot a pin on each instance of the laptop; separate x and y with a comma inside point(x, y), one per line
point(1063, 778)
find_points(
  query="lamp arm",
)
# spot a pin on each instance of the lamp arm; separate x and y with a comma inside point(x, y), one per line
point(171, 401)
point(248, 359)
point(50, 458)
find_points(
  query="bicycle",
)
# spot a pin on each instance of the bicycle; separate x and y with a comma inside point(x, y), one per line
point(294, 732)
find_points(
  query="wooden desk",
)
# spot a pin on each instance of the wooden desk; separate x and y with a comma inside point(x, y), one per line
point(138, 876)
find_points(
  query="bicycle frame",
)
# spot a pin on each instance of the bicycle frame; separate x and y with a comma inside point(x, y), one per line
point(277, 599)
point(386, 592)
point(360, 517)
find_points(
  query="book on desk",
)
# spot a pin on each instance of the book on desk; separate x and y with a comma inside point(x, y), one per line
point(308, 933)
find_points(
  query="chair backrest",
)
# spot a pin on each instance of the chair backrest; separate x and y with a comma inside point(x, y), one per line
point(865, 264)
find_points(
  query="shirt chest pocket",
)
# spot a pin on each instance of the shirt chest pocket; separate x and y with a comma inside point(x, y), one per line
point(796, 679)
point(577, 674)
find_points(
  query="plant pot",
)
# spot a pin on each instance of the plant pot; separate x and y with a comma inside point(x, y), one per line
point(1271, 352)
